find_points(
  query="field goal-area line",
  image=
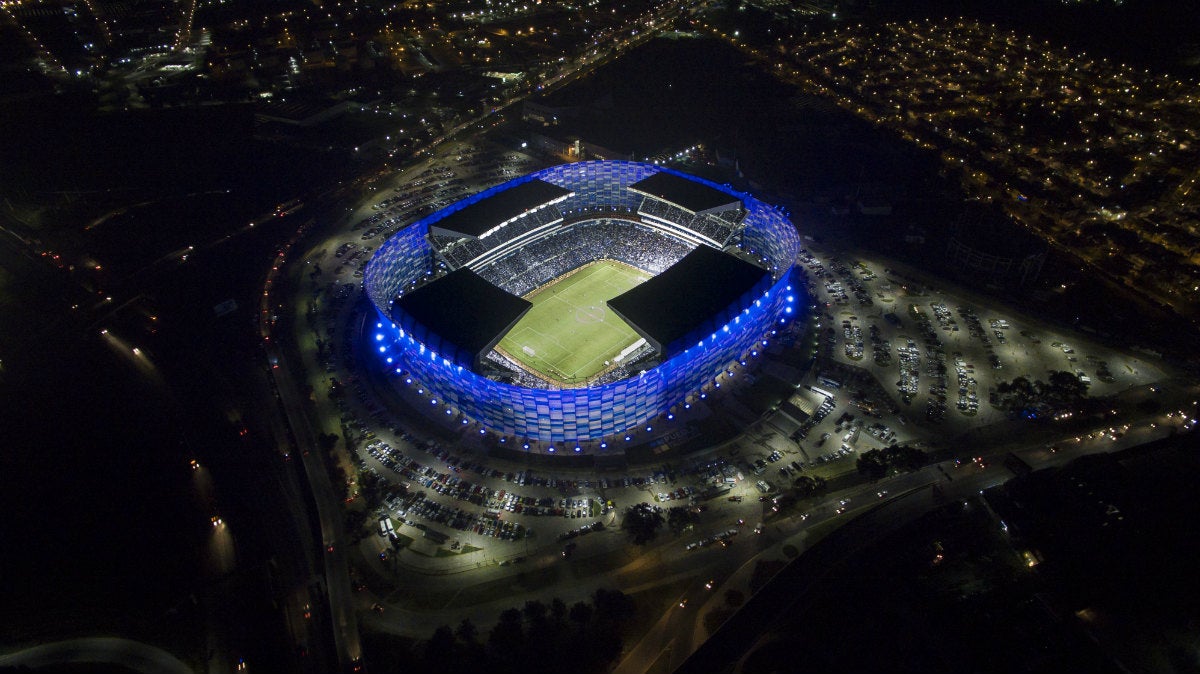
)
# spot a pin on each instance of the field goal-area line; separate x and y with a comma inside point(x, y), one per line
point(564, 380)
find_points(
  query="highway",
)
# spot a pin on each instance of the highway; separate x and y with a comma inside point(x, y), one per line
point(337, 575)
point(907, 499)
point(681, 631)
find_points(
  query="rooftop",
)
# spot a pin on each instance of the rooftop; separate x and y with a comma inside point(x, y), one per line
point(478, 218)
point(464, 310)
point(686, 296)
point(683, 192)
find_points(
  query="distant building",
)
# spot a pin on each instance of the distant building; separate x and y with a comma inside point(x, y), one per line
point(915, 236)
point(873, 206)
point(546, 115)
point(505, 78)
point(574, 149)
point(303, 113)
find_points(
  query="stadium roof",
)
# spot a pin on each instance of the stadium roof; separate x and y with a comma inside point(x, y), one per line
point(687, 296)
point(483, 215)
point(683, 192)
point(464, 311)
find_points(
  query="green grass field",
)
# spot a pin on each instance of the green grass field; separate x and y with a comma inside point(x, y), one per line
point(570, 333)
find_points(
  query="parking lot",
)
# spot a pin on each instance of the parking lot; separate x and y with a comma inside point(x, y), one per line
point(899, 362)
point(906, 362)
point(984, 345)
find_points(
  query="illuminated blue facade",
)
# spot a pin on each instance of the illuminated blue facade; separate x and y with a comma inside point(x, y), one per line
point(570, 414)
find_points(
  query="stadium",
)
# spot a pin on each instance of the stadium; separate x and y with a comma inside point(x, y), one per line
point(581, 301)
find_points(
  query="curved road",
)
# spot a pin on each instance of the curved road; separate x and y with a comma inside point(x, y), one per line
point(133, 655)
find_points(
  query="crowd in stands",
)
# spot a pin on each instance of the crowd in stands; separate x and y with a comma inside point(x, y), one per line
point(526, 223)
point(540, 262)
point(587, 236)
point(513, 373)
point(718, 227)
point(461, 252)
point(466, 250)
point(633, 363)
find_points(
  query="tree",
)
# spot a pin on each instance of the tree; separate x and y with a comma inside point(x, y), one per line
point(507, 633)
point(734, 598)
point(877, 462)
point(339, 479)
point(589, 643)
point(904, 457)
point(612, 605)
point(604, 648)
point(355, 520)
point(327, 441)
point(535, 612)
point(642, 521)
point(1019, 394)
point(466, 631)
point(371, 486)
point(679, 517)
point(807, 486)
point(581, 613)
point(1059, 390)
point(1064, 388)
point(873, 464)
point(558, 610)
point(440, 645)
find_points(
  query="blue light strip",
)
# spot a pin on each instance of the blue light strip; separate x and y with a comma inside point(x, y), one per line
point(576, 414)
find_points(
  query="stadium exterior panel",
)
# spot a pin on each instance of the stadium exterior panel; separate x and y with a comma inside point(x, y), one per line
point(570, 414)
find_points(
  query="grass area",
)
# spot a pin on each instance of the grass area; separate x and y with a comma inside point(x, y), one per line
point(831, 469)
point(466, 549)
point(820, 531)
point(531, 580)
point(661, 665)
point(570, 334)
point(650, 605)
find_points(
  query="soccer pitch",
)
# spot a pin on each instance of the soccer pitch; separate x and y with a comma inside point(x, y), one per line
point(569, 333)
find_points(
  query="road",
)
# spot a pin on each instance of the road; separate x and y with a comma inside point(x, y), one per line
point(680, 632)
point(337, 575)
point(132, 655)
point(673, 635)
point(908, 499)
